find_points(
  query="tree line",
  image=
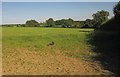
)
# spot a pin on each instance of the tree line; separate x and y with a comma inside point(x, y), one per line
point(98, 18)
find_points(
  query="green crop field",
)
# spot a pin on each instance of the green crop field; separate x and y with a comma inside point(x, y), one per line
point(65, 39)
point(27, 50)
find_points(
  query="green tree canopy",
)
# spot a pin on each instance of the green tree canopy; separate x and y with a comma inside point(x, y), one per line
point(76, 24)
point(50, 22)
point(100, 17)
point(89, 23)
point(68, 23)
point(65, 22)
point(82, 24)
point(32, 23)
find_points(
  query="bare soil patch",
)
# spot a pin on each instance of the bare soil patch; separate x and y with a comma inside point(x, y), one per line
point(26, 62)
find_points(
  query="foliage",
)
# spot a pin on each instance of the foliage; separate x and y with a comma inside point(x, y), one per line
point(68, 23)
point(116, 10)
point(100, 17)
point(59, 22)
point(88, 23)
point(82, 24)
point(76, 24)
point(32, 23)
point(105, 40)
point(42, 24)
point(50, 22)
point(14, 25)
point(114, 23)
point(111, 25)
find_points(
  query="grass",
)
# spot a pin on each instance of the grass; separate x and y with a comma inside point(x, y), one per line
point(0, 42)
point(66, 39)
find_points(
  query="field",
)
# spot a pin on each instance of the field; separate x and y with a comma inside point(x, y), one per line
point(26, 51)
point(0, 51)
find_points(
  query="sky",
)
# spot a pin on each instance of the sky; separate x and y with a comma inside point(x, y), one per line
point(0, 13)
point(20, 12)
point(59, 0)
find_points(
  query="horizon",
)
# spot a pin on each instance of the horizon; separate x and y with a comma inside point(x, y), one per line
point(20, 12)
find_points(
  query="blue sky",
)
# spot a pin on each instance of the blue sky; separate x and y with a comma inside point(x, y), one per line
point(19, 12)
point(0, 13)
point(59, 0)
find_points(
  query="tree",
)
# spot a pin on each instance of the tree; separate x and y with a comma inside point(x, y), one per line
point(100, 17)
point(76, 24)
point(88, 23)
point(59, 23)
point(105, 40)
point(82, 24)
point(113, 23)
point(50, 22)
point(67, 23)
point(32, 23)
point(42, 24)
point(70, 22)
point(116, 11)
